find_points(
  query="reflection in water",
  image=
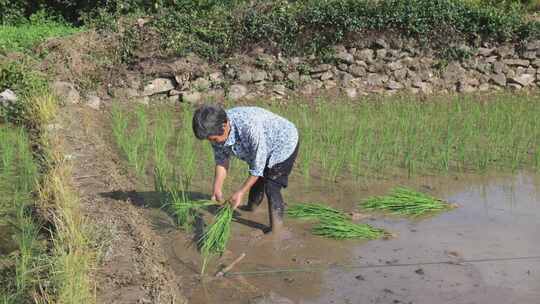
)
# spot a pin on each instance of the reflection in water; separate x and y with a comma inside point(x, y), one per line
point(499, 217)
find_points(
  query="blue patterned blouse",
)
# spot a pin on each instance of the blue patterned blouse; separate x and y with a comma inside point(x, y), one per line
point(258, 137)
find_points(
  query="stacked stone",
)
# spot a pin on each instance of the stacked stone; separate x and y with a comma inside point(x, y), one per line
point(378, 68)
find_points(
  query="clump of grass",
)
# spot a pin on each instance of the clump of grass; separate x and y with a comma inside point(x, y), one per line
point(215, 239)
point(24, 36)
point(315, 211)
point(403, 201)
point(18, 173)
point(72, 258)
point(342, 229)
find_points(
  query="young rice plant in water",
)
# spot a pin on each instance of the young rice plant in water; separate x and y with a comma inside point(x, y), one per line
point(132, 138)
point(18, 174)
point(389, 135)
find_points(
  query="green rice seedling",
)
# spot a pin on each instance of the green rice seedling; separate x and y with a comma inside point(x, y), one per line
point(342, 229)
point(315, 211)
point(215, 239)
point(139, 150)
point(161, 179)
point(403, 201)
point(181, 208)
point(18, 173)
point(162, 134)
point(186, 153)
point(7, 299)
point(307, 145)
point(133, 144)
point(120, 122)
point(26, 239)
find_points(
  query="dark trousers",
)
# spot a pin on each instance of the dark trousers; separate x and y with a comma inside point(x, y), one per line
point(271, 183)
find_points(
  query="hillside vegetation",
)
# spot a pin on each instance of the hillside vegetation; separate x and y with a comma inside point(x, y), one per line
point(214, 28)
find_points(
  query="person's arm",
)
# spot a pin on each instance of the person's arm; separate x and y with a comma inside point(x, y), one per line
point(221, 158)
point(219, 179)
point(256, 166)
point(237, 197)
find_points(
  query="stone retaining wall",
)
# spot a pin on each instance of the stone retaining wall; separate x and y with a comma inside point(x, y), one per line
point(380, 67)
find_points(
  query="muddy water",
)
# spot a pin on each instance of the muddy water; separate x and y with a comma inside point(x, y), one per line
point(478, 253)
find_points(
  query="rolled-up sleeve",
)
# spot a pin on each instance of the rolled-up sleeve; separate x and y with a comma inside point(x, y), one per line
point(260, 151)
point(221, 155)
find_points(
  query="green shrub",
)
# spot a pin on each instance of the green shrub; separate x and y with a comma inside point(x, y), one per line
point(11, 12)
point(24, 81)
point(215, 28)
point(73, 11)
point(25, 35)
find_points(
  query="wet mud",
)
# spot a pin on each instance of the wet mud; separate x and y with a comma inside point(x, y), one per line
point(485, 251)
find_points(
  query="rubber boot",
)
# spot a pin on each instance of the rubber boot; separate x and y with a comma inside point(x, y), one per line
point(276, 221)
point(250, 207)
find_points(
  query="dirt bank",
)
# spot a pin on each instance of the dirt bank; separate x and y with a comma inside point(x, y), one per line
point(133, 267)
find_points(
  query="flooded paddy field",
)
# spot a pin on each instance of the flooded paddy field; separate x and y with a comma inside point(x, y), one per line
point(484, 251)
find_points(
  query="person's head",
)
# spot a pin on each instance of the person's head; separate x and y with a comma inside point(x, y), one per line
point(211, 122)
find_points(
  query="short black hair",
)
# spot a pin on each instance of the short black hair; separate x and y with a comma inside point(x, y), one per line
point(208, 120)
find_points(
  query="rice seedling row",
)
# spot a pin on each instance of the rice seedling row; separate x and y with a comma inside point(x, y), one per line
point(18, 173)
point(364, 140)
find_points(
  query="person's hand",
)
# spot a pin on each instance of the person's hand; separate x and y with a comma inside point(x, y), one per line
point(217, 196)
point(236, 199)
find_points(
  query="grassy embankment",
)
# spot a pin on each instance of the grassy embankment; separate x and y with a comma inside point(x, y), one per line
point(52, 260)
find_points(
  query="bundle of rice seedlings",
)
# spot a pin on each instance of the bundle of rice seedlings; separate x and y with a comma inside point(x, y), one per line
point(403, 201)
point(215, 239)
point(182, 207)
point(315, 211)
point(342, 229)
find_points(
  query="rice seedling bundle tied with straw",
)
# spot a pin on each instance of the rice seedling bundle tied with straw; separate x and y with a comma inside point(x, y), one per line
point(403, 201)
point(315, 211)
point(215, 239)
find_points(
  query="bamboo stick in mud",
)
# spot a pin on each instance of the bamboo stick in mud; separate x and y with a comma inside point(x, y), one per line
point(231, 265)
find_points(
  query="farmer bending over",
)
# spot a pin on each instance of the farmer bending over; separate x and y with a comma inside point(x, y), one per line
point(266, 141)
